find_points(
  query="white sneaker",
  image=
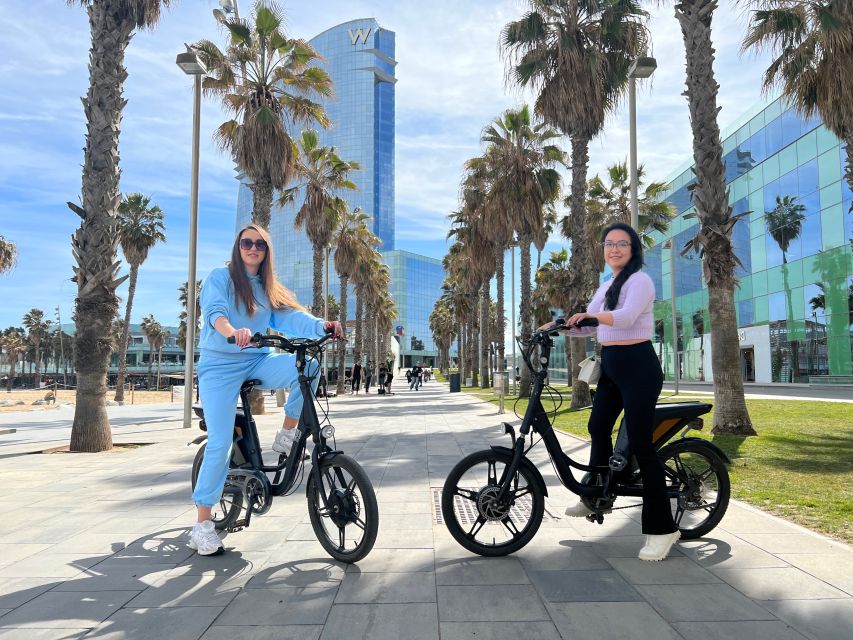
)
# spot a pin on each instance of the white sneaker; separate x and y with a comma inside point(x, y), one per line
point(579, 510)
point(205, 540)
point(284, 440)
point(657, 547)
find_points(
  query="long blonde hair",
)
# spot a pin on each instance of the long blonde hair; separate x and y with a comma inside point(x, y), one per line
point(278, 295)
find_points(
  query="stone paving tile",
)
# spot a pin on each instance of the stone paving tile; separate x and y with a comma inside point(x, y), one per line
point(232, 562)
point(791, 542)
point(623, 620)
point(413, 621)
point(116, 577)
point(672, 571)
point(778, 584)
point(702, 603)
point(278, 606)
point(12, 553)
point(395, 539)
point(381, 588)
point(318, 572)
point(51, 565)
point(722, 550)
point(493, 603)
point(583, 586)
point(285, 632)
point(818, 619)
point(835, 569)
point(499, 631)
point(480, 571)
point(754, 630)
point(622, 546)
point(397, 561)
point(190, 591)
point(176, 623)
point(42, 634)
point(67, 610)
point(16, 591)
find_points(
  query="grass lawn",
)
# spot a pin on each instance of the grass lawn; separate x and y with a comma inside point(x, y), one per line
point(800, 466)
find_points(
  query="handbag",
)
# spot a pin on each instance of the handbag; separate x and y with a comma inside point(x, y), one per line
point(590, 370)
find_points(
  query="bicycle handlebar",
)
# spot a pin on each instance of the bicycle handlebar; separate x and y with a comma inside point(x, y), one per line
point(260, 340)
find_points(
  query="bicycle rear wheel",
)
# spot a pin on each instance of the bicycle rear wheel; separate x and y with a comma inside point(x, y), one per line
point(225, 512)
point(703, 486)
point(343, 509)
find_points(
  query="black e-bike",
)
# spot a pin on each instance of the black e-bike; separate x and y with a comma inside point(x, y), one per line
point(493, 500)
point(341, 500)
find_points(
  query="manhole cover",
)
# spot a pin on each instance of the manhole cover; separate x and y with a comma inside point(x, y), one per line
point(467, 513)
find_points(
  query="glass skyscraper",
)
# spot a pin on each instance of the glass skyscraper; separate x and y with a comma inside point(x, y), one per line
point(795, 299)
point(359, 57)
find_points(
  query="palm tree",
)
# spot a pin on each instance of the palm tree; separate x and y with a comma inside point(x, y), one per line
point(38, 330)
point(95, 243)
point(352, 240)
point(813, 59)
point(526, 182)
point(160, 338)
point(265, 80)
point(151, 328)
point(13, 343)
point(140, 227)
point(322, 174)
point(182, 318)
point(716, 222)
point(443, 334)
point(576, 55)
point(8, 255)
point(785, 223)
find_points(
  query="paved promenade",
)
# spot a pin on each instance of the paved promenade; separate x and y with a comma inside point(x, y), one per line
point(95, 546)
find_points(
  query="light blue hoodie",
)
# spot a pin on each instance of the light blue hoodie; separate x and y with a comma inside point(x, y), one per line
point(217, 300)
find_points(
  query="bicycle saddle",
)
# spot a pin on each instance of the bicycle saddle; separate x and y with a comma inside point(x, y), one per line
point(249, 385)
point(687, 410)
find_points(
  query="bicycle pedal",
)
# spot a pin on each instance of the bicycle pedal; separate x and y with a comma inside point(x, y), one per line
point(238, 525)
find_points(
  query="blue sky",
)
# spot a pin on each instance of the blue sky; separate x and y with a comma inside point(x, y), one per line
point(450, 85)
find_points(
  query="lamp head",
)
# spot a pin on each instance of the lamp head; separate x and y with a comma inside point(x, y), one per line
point(642, 67)
point(190, 64)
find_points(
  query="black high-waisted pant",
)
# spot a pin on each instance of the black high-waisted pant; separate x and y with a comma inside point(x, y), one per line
point(631, 379)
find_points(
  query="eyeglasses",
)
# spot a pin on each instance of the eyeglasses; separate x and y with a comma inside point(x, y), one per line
point(622, 244)
point(246, 244)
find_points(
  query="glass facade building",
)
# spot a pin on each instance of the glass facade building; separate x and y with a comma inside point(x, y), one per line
point(795, 299)
point(359, 57)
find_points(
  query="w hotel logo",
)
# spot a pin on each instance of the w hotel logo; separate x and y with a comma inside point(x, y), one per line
point(359, 34)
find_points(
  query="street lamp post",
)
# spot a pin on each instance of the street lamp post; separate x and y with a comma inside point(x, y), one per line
point(641, 68)
point(512, 293)
point(326, 317)
point(191, 65)
point(671, 244)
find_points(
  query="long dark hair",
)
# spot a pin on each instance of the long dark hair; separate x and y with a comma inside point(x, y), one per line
point(611, 298)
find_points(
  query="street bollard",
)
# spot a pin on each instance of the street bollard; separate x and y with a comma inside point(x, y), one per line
point(499, 388)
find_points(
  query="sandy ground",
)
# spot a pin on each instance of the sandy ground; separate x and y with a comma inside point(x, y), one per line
point(67, 395)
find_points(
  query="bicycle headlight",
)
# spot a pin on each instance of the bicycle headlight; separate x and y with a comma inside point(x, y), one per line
point(328, 431)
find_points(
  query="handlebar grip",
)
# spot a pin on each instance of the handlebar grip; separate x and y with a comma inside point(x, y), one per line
point(588, 322)
point(329, 330)
point(231, 340)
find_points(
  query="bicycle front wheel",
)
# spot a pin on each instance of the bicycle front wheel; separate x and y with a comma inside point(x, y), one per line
point(474, 516)
point(343, 509)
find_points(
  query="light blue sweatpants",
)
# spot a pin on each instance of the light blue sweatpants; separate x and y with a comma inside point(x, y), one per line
point(219, 381)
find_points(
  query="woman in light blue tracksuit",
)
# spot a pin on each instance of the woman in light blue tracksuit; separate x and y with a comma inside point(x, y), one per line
point(240, 300)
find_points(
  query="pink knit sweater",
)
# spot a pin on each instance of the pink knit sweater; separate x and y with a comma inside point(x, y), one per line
point(632, 317)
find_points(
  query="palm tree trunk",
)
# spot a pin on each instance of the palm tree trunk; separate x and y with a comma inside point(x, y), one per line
point(13, 364)
point(499, 279)
point(95, 243)
point(359, 312)
point(460, 346)
point(342, 344)
point(159, 364)
point(475, 342)
point(524, 311)
point(262, 203)
point(317, 283)
point(37, 379)
point(125, 334)
point(711, 200)
point(794, 344)
point(484, 336)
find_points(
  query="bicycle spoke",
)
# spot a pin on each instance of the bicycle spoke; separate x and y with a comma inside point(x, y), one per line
point(467, 494)
point(679, 513)
point(351, 486)
point(360, 523)
point(492, 473)
point(519, 494)
point(707, 474)
point(342, 537)
point(476, 529)
point(510, 525)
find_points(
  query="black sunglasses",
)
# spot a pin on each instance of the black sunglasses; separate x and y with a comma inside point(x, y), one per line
point(247, 244)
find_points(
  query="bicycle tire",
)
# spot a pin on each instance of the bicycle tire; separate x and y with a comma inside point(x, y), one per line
point(690, 492)
point(449, 512)
point(230, 510)
point(351, 508)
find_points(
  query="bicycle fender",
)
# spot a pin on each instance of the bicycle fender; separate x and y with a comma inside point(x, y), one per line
point(331, 455)
point(525, 462)
point(198, 440)
point(706, 443)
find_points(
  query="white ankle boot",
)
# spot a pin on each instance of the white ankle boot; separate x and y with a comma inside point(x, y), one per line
point(658, 547)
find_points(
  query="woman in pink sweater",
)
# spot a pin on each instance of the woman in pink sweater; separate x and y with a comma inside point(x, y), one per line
point(631, 379)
